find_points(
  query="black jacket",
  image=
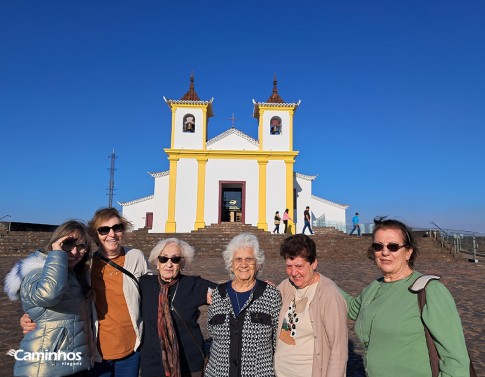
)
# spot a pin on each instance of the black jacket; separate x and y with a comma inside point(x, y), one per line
point(190, 292)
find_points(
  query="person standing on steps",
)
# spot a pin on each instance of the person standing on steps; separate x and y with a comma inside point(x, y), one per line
point(355, 223)
point(286, 217)
point(307, 218)
point(277, 220)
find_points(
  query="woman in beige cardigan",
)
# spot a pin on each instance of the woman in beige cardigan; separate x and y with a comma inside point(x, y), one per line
point(312, 328)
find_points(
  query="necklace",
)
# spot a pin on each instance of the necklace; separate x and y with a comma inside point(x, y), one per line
point(173, 297)
point(250, 293)
point(301, 301)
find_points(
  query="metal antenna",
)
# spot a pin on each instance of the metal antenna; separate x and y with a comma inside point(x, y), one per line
point(112, 169)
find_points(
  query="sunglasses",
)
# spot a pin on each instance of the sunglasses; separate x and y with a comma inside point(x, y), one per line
point(393, 247)
point(164, 259)
point(104, 230)
point(70, 244)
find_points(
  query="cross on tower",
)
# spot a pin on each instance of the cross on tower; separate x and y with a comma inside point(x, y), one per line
point(232, 119)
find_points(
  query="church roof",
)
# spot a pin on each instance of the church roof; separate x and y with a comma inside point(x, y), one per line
point(191, 98)
point(307, 177)
point(191, 95)
point(275, 97)
point(343, 206)
point(274, 100)
point(232, 131)
point(160, 174)
point(139, 200)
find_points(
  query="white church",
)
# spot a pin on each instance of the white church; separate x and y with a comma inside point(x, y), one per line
point(231, 177)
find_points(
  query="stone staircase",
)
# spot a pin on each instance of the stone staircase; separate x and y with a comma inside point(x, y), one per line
point(212, 240)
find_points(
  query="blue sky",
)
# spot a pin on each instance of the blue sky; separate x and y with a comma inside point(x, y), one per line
point(392, 116)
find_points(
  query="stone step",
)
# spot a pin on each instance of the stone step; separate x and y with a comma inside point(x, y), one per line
point(212, 240)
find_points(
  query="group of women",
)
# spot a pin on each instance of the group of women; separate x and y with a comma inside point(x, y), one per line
point(92, 304)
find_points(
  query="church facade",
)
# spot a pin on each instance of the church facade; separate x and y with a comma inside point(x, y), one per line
point(231, 177)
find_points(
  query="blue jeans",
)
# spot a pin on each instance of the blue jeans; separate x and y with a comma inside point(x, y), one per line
point(125, 367)
point(307, 225)
point(354, 228)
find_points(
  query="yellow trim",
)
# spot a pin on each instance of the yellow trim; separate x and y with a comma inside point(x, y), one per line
point(204, 127)
point(290, 141)
point(262, 224)
point(170, 225)
point(173, 128)
point(199, 216)
point(260, 130)
point(289, 191)
point(230, 155)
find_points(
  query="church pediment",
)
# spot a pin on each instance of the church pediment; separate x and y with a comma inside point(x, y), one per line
point(233, 139)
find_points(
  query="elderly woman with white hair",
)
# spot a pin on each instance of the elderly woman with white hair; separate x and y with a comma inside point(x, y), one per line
point(243, 316)
point(173, 344)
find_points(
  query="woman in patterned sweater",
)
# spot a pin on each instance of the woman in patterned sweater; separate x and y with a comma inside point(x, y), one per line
point(243, 317)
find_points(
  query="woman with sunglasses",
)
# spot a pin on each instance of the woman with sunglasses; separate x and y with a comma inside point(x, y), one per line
point(117, 298)
point(387, 314)
point(173, 344)
point(243, 315)
point(53, 288)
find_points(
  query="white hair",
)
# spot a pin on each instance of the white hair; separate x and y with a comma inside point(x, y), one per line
point(186, 250)
point(243, 240)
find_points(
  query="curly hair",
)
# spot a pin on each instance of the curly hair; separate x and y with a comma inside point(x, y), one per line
point(299, 245)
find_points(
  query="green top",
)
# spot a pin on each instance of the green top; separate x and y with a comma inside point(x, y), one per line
point(389, 327)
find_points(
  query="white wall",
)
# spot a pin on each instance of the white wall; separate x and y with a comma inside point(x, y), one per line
point(160, 205)
point(231, 170)
point(279, 142)
point(186, 199)
point(188, 140)
point(275, 191)
point(136, 212)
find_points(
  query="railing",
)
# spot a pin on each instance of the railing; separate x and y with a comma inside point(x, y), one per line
point(460, 241)
point(342, 226)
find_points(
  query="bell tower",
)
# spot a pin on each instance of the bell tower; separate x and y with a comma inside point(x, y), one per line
point(190, 117)
point(275, 122)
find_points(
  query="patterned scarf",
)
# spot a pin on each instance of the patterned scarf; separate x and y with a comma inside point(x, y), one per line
point(166, 332)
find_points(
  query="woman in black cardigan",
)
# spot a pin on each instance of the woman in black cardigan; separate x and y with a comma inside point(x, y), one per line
point(172, 340)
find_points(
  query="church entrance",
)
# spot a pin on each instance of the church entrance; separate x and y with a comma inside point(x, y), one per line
point(232, 201)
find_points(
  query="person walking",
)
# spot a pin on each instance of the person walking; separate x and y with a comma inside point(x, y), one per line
point(277, 220)
point(307, 218)
point(355, 223)
point(286, 217)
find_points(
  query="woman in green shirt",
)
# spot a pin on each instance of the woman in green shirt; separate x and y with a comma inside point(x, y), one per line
point(387, 315)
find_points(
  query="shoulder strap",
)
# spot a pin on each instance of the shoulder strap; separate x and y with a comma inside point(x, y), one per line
point(421, 282)
point(419, 287)
point(98, 255)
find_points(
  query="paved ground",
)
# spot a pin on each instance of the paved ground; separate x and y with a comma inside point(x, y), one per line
point(465, 281)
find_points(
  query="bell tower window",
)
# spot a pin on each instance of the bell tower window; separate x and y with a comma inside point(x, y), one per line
point(189, 123)
point(275, 126)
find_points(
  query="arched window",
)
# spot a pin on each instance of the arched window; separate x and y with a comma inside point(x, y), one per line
point(189, 123)
point(275, 126)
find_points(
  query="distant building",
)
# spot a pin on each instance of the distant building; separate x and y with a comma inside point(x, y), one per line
point(231, 177)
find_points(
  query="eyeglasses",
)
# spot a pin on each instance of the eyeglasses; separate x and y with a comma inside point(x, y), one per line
point(70, 244)
point(164, 259)
point(393, 247)
point(117, 228)
point(248, 260)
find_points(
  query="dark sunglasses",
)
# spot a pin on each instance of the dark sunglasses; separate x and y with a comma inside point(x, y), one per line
point(104, 230)
point(70, 244)
point(164, 259)
point(393, 247)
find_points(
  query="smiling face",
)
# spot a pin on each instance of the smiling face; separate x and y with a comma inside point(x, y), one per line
point(300, 271)
point(170, 270)
point(111, 242)
point(244, 265)
point(393, 265)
